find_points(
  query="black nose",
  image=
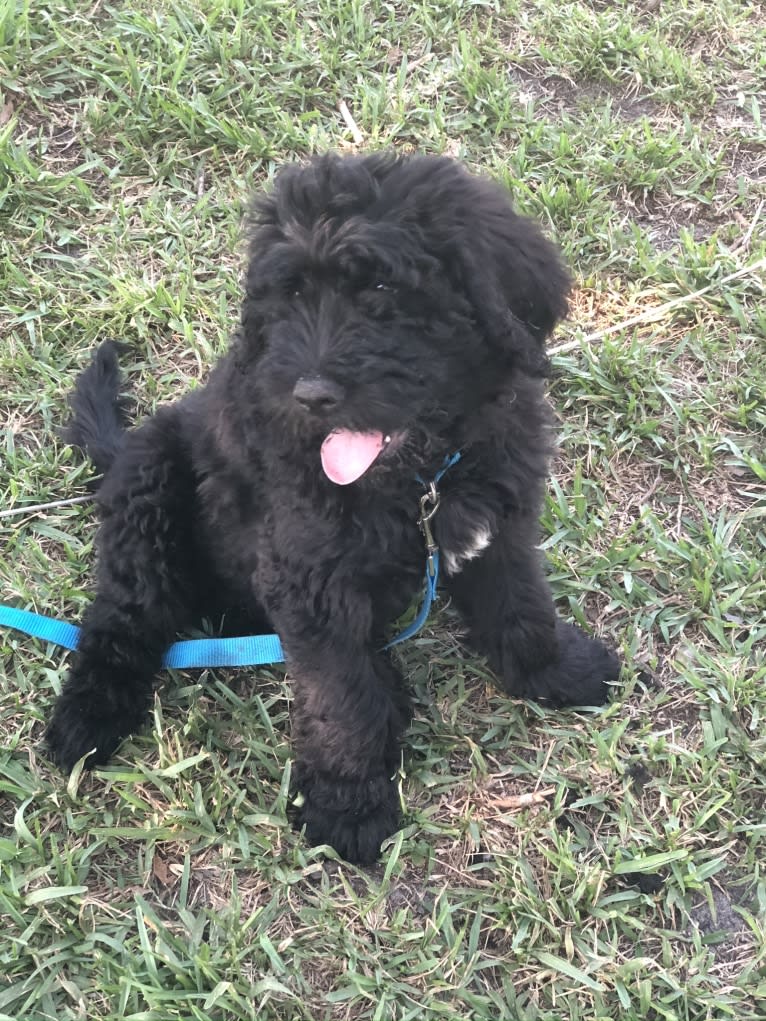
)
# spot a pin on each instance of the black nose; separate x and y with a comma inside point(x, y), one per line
point(316, 393)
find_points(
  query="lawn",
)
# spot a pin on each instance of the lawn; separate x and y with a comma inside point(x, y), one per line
point(555, 866)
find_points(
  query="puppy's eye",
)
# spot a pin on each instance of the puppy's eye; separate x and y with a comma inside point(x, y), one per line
point(384, 287)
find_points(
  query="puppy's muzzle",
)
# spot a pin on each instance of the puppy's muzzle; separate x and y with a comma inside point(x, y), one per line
point(318, 394)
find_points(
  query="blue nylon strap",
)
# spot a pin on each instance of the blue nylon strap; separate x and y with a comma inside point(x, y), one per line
point(252, 650)
point(432, 569)
point(448, 462)
point(58, 632)
point(432, 580)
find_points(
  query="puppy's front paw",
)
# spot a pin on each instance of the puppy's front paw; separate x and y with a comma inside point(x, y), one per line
point(353, 817)
point(584, 671)
point(87, 722)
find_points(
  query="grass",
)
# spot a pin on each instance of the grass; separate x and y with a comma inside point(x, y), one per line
point(169, 885)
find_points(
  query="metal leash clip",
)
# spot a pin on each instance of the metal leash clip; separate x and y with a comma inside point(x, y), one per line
point(429, 505)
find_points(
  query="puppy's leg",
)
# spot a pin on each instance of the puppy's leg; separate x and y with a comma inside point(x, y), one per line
point(505, 598)
point(142, 597)
point(346, 728)
point(348, 715)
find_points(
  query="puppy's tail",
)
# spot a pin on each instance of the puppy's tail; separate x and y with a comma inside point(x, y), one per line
point(99, 413)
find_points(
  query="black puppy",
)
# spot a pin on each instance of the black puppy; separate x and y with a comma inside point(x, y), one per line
point(395, 313)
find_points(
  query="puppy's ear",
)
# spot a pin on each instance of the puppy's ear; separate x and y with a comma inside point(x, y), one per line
point(265, 258)
point(511, 274)
point(248, 343)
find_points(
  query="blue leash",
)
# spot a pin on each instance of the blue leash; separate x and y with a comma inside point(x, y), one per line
point(252, 650)
point(432, 552)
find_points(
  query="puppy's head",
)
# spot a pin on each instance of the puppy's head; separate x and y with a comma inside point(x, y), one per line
point(386, 300)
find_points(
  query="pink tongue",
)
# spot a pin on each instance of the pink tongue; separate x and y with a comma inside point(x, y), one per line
point(347, 455)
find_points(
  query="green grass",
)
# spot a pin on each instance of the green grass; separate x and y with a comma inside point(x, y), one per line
point(169, 885)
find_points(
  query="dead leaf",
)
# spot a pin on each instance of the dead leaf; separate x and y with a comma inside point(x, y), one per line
point(517, 801)
point(161, 871)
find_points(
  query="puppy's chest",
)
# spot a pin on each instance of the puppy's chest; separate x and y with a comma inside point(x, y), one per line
point(377, 534)
point(368, 538)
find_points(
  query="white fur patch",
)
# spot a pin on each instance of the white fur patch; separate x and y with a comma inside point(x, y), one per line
point(478, 542)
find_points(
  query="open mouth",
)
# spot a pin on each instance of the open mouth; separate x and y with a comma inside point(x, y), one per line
point(347, 455)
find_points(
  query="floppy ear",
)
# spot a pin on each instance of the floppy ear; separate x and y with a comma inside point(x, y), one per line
point(525, 269)
point(267, 258)
point(511, 274)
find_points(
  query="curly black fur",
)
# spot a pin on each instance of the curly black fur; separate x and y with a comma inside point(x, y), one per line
point(398, 296)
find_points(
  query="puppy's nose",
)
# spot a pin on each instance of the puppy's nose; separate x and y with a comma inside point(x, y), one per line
point(316, 393)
